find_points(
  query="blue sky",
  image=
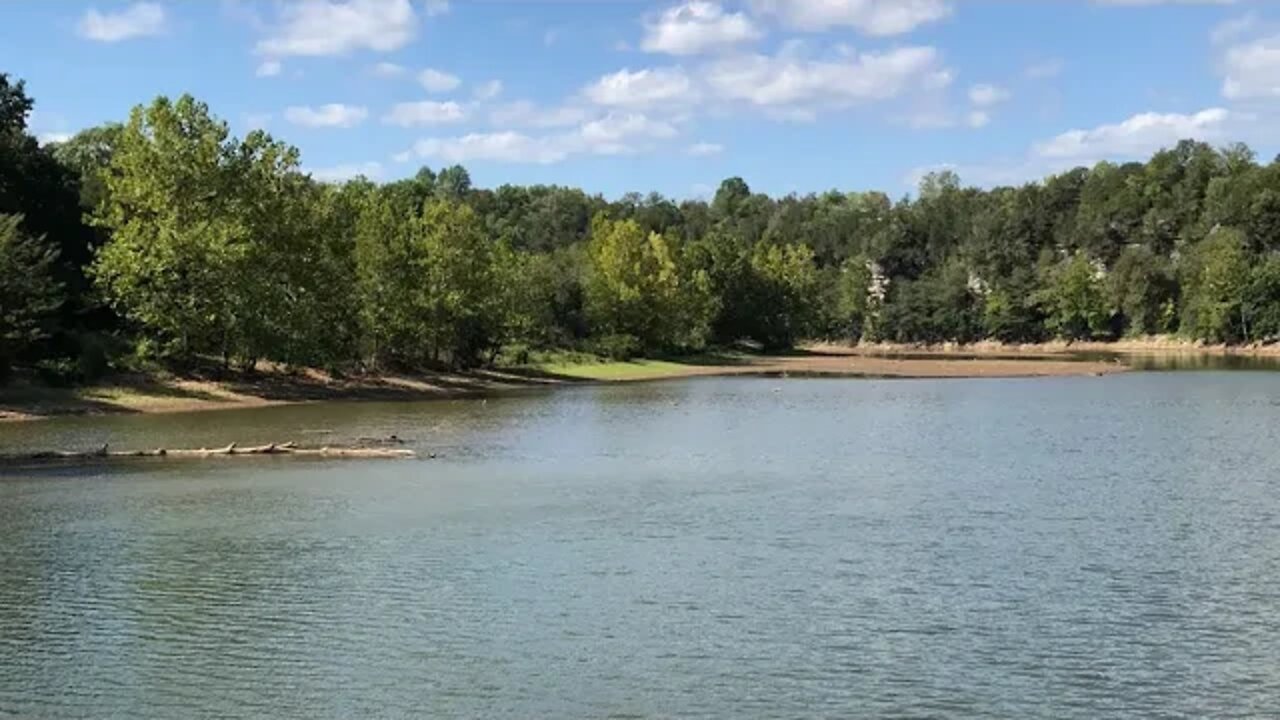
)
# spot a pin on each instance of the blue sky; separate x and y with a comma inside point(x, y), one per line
point(793, 95)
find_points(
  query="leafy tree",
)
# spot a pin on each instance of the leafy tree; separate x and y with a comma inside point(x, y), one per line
point(1215, 277)
point(29, 295)
point(1141, 287)
point(636, 288)
point(1262, 301)
point(1074, 299)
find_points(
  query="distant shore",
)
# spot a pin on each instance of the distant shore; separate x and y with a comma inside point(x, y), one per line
point(165, 394)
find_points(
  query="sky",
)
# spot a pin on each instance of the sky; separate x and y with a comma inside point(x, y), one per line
point(616, 96)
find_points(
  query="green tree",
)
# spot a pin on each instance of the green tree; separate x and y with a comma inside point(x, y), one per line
point(29, 295)
point(635, 288)
point(1074, 299)
point(1214, 280)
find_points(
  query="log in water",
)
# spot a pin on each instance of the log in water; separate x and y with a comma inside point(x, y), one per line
point(290, 449)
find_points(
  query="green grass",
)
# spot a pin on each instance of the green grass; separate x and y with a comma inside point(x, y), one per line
point(613, 369)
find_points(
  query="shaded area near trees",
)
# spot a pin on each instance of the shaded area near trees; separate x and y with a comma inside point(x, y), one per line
point(168, 239)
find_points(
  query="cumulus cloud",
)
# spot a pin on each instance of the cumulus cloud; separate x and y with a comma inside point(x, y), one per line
point(507, 146)
point(269, 68)
point(696, 27)
point(427, 112)
point(338, 27)
point(870, 17)
point(524, 113)
point(986, 95)
point(340, 173)
point(1252, 69)
point(438, 81)
point(1137, 136)
point(788, 81)
point(488, 90)
point(138, 20)
point(615, 133)
point(642, 88)
point(704, 149)
point(1164, 2)
point(388, 69)
point(333, 115)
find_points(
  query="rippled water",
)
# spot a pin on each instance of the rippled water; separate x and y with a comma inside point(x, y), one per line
point(1054, 548)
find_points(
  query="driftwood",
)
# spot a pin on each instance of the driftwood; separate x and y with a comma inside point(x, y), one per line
point(289, 449)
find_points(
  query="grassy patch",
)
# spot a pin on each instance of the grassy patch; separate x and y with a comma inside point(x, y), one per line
point(615, 369)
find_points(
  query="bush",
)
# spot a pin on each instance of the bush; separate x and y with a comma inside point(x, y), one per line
point(617, 346)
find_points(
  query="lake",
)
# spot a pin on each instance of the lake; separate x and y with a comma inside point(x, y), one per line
point(729, 548)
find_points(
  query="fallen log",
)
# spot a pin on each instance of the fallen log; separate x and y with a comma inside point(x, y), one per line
point(289, 449)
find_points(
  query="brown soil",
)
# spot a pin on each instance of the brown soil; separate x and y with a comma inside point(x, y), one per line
point(142, 394)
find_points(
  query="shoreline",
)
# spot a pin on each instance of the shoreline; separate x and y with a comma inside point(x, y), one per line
point(143, 394)
point(157, 394)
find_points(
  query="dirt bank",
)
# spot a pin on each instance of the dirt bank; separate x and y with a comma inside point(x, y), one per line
point(141, 394)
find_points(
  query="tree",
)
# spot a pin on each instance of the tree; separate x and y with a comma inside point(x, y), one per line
point(636, 289)
point(206, 230)
point(29, 295)
point(460, 301)
point(1261, 302)
point(1074, 300)
point(1214, 280)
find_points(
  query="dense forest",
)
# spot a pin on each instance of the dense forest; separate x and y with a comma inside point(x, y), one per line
point(168, 240)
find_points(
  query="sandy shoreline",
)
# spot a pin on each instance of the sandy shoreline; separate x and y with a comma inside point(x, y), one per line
point(167, 395)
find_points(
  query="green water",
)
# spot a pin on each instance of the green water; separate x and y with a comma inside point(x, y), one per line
point(735, 547)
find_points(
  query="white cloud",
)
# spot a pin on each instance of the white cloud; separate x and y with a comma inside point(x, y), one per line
point(438, 81)
point(987, 95)
point(426, 112)
point(523, 113)
point(53, 137)
point(1252, 69)
point(695, 27)
point(337, 27)
point(437, 7)
point(138, 20)
point(333, 115)
point(1137, 136)
point(340, 173)
point(871, 17)
point(642, 88)
point(1145, 3)
point(269, 68)
point(388, 69)
point(704, 149)
point(508, 146)
point(978, 118)
point(610, 135)
point(792, 82)
point(614, 133)
point(1045, 69)
point(488, 90)
point(1229, 30)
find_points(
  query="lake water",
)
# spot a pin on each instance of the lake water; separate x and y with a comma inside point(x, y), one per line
point(729, 548)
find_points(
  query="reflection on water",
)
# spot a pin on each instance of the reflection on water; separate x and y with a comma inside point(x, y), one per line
point(738, 547)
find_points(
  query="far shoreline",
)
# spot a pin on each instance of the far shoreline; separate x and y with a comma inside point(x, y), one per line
point(155, 395)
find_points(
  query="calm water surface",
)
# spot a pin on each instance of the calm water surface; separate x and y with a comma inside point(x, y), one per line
point(730, 548)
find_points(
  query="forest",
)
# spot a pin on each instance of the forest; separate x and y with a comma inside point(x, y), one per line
point(166, 240)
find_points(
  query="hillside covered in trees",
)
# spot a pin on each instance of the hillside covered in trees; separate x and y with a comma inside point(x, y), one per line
point(168, 239)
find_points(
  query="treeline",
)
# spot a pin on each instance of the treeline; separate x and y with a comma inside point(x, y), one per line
point(167, 238)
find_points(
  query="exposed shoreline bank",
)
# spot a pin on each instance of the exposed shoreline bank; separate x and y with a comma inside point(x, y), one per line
point(147, 394)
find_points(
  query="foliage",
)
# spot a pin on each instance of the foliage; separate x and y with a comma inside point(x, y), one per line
point(1074, 300)
point(200, 244)
point(29, 294)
